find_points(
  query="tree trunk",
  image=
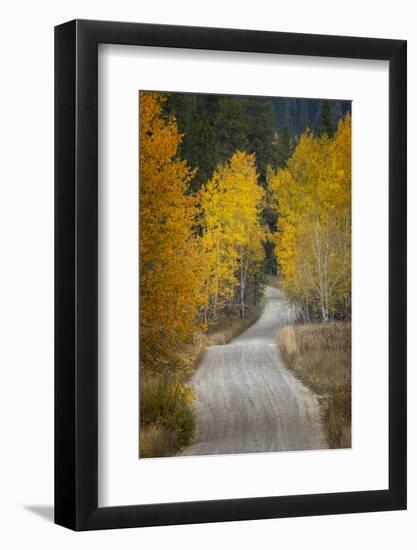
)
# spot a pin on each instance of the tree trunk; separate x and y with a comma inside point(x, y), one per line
point(242, 304)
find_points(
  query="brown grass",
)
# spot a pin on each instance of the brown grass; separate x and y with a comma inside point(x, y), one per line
point(156, 441)
point(320, 355)
point(167, 420)
point(228, 328)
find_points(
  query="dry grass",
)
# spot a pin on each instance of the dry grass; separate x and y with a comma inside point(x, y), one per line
point(273, 280)
point(228, 328)
point(167, 420)
point(320, 355)
point(156, 441)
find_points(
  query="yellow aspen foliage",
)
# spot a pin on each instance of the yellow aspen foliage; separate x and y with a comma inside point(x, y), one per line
point(232, 237)
point(313, 241)
point(171, 262)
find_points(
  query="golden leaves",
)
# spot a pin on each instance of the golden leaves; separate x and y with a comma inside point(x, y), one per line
point(313, 242)
point(171, 266)
point(232, 238)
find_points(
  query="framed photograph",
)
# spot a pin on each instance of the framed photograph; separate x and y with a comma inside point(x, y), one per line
point(230, 284)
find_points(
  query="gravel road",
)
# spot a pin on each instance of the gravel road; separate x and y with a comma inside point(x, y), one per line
point(247, 401)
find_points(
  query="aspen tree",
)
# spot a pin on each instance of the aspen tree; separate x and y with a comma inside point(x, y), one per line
point(231, 203)
point(172, 269)
point(313, 241)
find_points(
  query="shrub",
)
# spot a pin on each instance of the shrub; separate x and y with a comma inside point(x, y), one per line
point(166, 417)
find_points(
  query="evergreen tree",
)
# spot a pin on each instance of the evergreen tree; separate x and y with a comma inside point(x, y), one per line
point(284, 148)
point(215, 126)
point(302, 115)
point(194, 115)
point(261, 131)
point(231, 127)
point(326, 119)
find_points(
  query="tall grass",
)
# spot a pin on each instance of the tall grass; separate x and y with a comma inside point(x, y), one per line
point(320, 355)
point(166, 417)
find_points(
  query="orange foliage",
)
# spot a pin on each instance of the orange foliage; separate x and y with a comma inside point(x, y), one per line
point(171, 262)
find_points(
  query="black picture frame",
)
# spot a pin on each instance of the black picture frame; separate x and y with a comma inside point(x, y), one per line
point(76, 273)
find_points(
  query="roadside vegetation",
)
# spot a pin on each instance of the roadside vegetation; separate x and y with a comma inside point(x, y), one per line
point(201, 270)
point(166, 415)
point(312, 193)
point(167, 418)
point(230, 327)
point(320, 355)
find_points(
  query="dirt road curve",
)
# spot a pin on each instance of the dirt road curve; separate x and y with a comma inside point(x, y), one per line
point(247, 401)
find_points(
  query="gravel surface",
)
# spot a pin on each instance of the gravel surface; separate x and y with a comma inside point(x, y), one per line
point(247, 401)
